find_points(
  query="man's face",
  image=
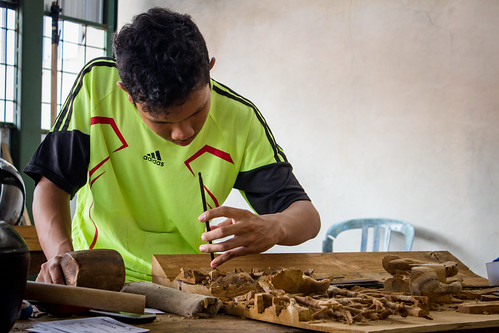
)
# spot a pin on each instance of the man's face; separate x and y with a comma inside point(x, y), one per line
point(182, 122)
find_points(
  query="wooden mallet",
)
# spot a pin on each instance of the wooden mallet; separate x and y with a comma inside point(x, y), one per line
point(98, 268)
point(93, 281)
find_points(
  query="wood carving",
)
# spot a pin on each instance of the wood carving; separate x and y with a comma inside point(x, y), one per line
point(422, 278)
point(290, 297)
point(294, 281)
point(395, 265)
point(283, 308)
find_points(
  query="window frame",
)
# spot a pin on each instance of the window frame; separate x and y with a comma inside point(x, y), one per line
point(25, 137)
point(10, 5)
point(61, 72)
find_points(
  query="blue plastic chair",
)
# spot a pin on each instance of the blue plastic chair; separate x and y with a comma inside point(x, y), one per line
point(379, 225)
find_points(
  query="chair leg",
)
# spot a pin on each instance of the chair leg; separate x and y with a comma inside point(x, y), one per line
point(363, 243)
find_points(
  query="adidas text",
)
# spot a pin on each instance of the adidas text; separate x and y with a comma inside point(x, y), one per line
point(154, 157)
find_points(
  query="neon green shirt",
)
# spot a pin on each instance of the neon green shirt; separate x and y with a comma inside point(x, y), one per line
point(138, 193)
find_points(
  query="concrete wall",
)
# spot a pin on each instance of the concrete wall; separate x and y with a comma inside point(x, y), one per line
point(384, 108)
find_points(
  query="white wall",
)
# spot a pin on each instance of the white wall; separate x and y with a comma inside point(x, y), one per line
point(384, 108)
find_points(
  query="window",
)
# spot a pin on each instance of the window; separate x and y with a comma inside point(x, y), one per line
point(8, 66)
point(79, 43)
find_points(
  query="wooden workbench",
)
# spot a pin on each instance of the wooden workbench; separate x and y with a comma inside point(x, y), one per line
point(348, 265)
point(443, 322)
point(174, 323)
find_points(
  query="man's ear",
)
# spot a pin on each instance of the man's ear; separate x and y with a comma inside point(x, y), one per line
point(122, 87)
point(212, 62)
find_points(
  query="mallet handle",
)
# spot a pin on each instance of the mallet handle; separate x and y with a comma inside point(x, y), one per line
point(85, 297)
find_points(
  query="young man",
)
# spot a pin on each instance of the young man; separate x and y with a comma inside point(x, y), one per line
point(131, 139)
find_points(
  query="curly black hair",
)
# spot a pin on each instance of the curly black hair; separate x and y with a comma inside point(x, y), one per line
point(161, 57)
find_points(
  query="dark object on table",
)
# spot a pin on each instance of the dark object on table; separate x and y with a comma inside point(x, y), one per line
point(366, 283)
point(12, 194)
point(14, 253)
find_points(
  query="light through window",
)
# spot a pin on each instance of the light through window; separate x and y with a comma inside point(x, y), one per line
point(79, 43)
point(8, 65)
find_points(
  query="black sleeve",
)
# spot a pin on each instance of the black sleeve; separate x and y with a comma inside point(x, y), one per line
point(63, 158)
point(271, 188)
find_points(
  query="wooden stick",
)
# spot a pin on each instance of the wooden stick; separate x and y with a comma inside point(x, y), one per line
point(85, 297)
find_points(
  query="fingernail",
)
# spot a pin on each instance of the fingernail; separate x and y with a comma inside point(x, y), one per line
point(202, 248)
point(202, 217)
point(203, 237)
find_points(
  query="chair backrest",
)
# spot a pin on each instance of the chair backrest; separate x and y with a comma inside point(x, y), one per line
point(379, 225)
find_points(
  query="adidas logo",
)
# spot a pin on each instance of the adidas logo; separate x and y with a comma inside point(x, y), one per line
point(155, 158)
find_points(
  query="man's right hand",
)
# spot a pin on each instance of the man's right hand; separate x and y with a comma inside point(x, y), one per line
point(52, 218)
point(51, 272)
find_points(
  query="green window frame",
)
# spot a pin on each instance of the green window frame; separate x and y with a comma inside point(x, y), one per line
point(8, 64)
